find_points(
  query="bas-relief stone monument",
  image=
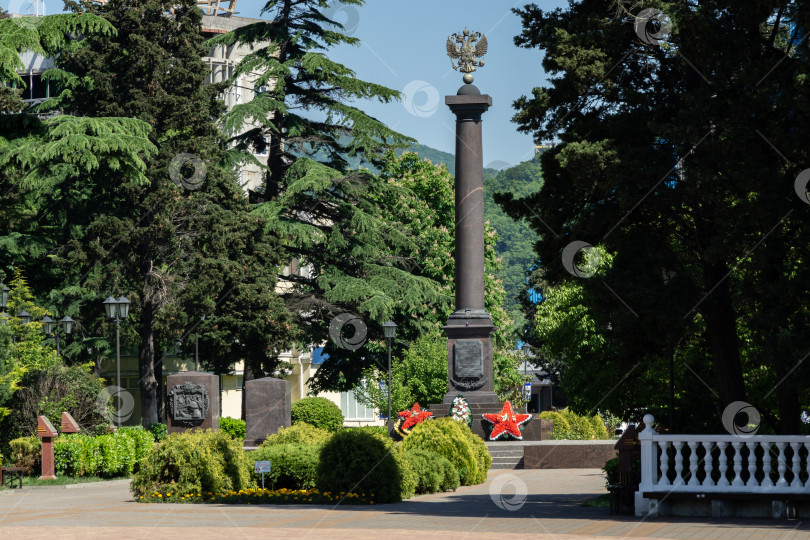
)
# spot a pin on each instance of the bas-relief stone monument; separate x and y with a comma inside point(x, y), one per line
point(267, 408)
point(192, 401)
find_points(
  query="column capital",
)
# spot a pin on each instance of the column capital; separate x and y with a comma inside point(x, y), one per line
point(466, 106)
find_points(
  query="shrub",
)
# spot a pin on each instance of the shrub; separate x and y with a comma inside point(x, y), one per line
point(561, 429)
point(292, 466)
point(159, 431)
point(117, 452)
point(301, 433)
point(611, 470)
point(51, 391)
point(318, 411)
point(457, 443)
point(143, 440)
point(26, 452)
point(379, 430)
point(434, 472)
point(234, 427)
point(599, 429)
point(581, 428)
point(194, 462)
point(357, 461)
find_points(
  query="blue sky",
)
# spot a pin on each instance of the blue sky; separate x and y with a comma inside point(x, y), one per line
point(403, 47)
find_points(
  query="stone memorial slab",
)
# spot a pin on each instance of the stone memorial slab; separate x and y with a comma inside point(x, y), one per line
point(267, 408)
point(192, 401)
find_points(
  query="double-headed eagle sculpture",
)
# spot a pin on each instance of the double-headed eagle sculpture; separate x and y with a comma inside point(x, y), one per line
point(469, 48)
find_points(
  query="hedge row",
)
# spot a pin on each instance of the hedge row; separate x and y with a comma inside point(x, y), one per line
point(84, 455)
point(570, 426)
point(346, 466)
point(115, 454)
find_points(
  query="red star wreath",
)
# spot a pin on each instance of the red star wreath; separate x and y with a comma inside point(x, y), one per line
point(409, 418)
point(506, 422)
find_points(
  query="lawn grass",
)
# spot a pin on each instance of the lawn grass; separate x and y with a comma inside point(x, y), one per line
point(602, 501)
point(63, 480)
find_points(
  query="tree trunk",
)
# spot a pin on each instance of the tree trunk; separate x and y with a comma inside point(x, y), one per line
point(161, 390)
point(146, 367)
point(721, 327)
point(790, 409)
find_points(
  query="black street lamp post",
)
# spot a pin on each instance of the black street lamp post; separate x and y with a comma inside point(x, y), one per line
point(117, 310)
point(389, 331)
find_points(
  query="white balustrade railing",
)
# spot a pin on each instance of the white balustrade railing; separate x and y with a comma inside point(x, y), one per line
point(768, 464)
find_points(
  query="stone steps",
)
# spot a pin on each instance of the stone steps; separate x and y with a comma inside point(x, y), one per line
point(505, 456)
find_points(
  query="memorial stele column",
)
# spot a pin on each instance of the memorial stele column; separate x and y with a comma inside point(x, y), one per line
point(469, 328)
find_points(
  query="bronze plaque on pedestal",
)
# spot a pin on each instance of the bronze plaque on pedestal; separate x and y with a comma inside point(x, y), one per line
point(469, 359)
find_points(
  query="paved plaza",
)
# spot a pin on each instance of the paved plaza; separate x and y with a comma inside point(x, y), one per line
point(552, 510)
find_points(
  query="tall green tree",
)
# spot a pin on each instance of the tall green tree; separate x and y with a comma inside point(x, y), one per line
point(303, 101)
point(679, 132)
point(181, 244)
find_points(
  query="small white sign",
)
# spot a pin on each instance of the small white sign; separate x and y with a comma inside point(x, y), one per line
point(527, 389)
point(261, 466)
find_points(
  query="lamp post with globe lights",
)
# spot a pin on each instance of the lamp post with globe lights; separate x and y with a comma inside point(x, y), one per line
point(117, 310)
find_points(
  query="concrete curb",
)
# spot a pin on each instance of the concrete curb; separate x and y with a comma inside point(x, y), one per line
point(66, 486)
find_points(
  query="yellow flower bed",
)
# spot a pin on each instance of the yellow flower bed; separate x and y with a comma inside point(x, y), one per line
point(260, 496)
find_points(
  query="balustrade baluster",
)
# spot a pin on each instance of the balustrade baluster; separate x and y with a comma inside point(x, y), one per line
point(752, 464)
point(797, 467)
point(723, 464)
point(782, 482)
point(693, 463)
point(664, 464)
point(738, 481)
point(678, 463)
point(707, 463)
point(807, 466)
point(766, 465)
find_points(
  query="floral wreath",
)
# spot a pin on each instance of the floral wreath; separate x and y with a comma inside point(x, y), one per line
point(460, 411)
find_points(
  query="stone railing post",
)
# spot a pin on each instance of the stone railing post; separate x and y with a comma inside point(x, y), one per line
point(649, 472)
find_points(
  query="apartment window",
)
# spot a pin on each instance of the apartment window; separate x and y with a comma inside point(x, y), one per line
point(353, 409)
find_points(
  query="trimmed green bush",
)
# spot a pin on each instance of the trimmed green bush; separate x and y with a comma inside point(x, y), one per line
point(109, 455)
point(159, 431)
point(292, 466)
point(300, 433)
point(318, 411)
point(26, 452)
point(434, 472)
point(194, 462)
point(117, 453)
point(599, 429)
point(234, 427)
point(354, 461)
point(143, 440)
point(457, 443)
point(561, 429)
point(581, 428)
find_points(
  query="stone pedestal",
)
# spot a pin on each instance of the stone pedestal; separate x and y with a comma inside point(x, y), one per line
point(47, 432)
point(192, 401)
point(267, 408)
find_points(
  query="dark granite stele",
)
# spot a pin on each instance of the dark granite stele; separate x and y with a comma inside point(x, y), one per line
point(188, 408)
point(267, 408)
